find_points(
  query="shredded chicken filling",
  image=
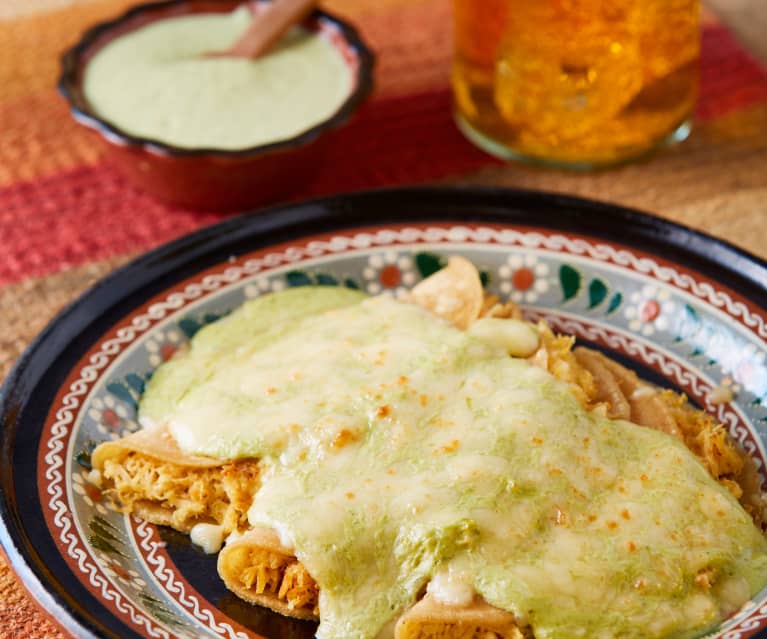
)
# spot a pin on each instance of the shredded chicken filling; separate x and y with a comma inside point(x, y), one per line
point(265, 572)
point(179, 496)
point(429, 619)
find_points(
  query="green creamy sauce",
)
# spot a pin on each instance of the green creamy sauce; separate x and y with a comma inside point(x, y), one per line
point(399, 450)
point(155, 82)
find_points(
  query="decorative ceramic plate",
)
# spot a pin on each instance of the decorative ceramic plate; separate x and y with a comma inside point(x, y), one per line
point(682, 309)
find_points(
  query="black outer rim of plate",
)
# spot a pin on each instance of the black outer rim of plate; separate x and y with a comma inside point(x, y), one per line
point(30, 387)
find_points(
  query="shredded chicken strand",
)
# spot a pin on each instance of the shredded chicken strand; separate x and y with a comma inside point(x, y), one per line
point(181, 496)
point(265, 572)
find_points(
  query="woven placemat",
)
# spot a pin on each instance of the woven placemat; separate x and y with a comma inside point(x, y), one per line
point(61, 206)
point(19, 616)
point(723, 160)
point(686, 184)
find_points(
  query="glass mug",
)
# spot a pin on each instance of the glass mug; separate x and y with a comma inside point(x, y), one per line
point(578, 83)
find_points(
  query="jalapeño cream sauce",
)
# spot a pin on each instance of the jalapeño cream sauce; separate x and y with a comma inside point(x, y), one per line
point(156, 82)
point(400, 454)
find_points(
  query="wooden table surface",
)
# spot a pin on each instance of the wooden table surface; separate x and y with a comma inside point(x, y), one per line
point(716, 181)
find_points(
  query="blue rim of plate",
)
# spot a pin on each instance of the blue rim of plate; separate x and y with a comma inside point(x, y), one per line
point(31, 387)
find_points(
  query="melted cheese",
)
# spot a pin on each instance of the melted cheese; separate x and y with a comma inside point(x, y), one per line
point(452, 587)
point(209, 537)
point(400, 452)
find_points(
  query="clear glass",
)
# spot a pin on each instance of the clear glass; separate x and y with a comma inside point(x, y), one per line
point(579, 83)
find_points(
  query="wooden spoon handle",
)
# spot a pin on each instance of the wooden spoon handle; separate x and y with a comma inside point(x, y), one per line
point(269, 25)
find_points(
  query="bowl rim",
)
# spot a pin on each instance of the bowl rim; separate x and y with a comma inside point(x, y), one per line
point(70, 88)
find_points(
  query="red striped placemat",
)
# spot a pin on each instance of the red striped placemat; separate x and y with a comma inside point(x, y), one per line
point(60, 205)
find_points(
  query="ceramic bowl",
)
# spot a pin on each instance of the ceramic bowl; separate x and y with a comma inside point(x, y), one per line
point(682, 309)
point(213, 179)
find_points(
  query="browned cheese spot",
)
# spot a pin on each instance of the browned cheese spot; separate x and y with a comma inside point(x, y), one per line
point(344, 437)
point(452, 446)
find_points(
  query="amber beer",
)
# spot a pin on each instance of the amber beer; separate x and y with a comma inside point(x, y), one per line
point(575, 82)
